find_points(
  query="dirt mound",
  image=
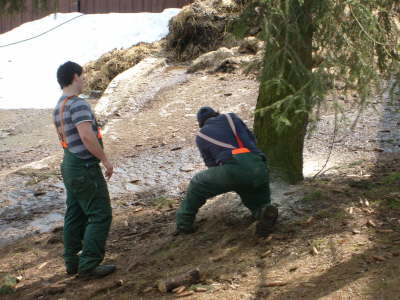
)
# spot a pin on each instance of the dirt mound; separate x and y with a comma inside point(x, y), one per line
point(99, 73)
point(247, 57)
point(211, 59)
point(201, 27)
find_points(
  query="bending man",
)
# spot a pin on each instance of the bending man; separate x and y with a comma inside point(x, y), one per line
point(234, 164)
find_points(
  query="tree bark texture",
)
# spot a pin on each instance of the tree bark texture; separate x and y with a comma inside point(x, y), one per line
point(289, 49)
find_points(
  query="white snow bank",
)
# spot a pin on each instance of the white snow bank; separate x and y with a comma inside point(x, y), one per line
point(28, 70)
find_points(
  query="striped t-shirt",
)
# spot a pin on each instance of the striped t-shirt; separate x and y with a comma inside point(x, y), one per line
point(76, 111)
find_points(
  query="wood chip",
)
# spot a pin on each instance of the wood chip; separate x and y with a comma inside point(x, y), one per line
point(38, 193)
point(42, 265)
point(356, 231)
point(275, 283)
point(314, 250)
point(184, 294)
point(269, 238)
point(309, 220)
point(309, 284)
point(187, 168)
point(366, 202)
point(378, 258)
point(138, 209)
point(120, 282)
point(179, 289)
point(288, 193)
point(148, 289)
point(200, 289)
point(371, 223)
point(176, 148)
point(368, 210)
point(216, 258)
point(266, 253)
point(351, 210)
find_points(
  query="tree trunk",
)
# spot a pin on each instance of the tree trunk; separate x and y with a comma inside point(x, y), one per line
point(288, 60)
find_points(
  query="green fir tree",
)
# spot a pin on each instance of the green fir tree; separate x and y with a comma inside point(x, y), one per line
point(311, 45)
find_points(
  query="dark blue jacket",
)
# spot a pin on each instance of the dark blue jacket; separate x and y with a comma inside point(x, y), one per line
point(218, 128)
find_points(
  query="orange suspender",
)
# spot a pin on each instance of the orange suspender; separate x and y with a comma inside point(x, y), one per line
point(241, 148)
point(239, 141)
point(61, 135)
point(60, 131)
point(99, 136)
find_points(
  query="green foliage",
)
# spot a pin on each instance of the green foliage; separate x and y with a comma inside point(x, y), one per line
point(331, 213)
point(7, 285)
point(10, 6)
point(163, 202)
point(240, 27)
point(312, 47)
point(313, 196)
point(15, 6)
point(393, 202)
point(358, 42)
point(392, 178)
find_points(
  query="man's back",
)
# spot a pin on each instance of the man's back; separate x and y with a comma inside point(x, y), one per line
point(76, 111)
point(218, 128)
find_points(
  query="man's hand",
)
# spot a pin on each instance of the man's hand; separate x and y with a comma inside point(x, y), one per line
point(90, 141)
point(109, 169)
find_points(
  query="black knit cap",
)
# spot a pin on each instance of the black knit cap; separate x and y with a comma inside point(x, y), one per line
point(204, 113)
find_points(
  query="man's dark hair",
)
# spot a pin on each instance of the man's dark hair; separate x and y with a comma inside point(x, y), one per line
point(66, 72)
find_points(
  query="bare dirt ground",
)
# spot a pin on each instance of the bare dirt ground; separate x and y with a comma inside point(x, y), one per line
point(339, 236)
point(25, 136)
point(337, 247)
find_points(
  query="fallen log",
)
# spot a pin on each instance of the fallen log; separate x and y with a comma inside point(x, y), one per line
point(185, 279)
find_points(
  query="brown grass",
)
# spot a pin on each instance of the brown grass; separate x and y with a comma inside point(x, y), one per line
point(99, 73)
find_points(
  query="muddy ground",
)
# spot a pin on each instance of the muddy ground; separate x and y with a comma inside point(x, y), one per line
point(338, 236)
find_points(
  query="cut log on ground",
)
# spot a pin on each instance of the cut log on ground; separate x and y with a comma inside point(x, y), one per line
point(185, 279)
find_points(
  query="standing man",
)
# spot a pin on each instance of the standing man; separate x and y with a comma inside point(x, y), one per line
point(88, 216)
point(234, 164)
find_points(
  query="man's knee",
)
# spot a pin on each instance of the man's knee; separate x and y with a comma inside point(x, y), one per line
point(196, 179)
point(101, 218)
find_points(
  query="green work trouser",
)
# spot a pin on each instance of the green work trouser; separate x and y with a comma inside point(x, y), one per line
point(88, 216)
point(245, 174)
